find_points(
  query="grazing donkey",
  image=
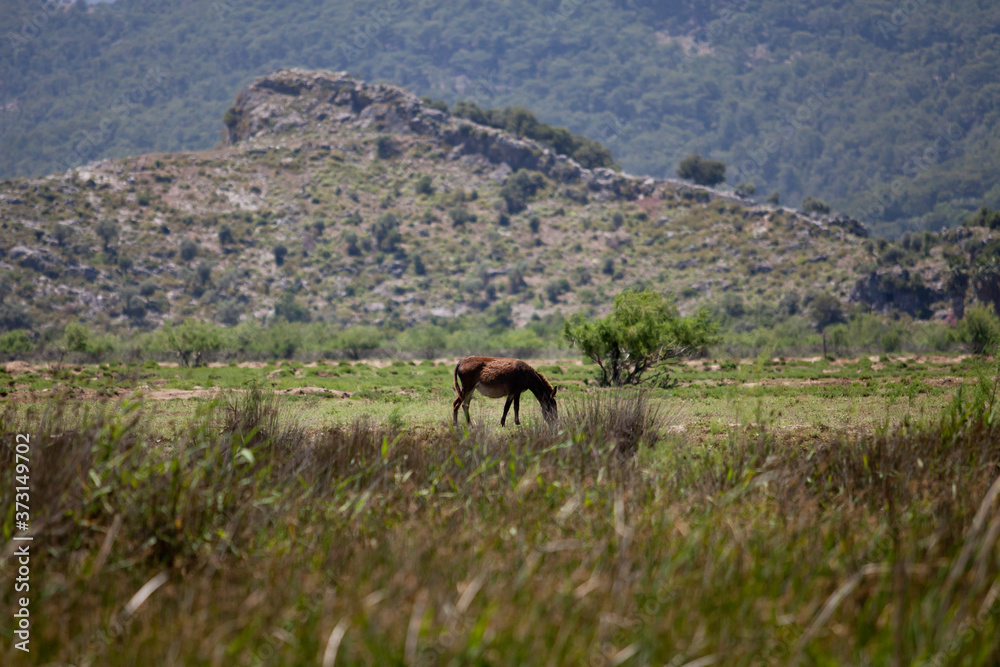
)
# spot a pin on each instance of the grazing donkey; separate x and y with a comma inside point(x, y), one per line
point(496, 377)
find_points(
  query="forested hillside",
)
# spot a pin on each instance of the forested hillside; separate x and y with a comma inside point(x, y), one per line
point(885, 110)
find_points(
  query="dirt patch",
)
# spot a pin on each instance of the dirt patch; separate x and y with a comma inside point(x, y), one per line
point(173, 394)
point(946, 381)
point(804, 382)
point(18, 367)
point(212, 392)
point(304, 391)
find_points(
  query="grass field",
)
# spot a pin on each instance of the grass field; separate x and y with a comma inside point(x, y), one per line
point(769, 511)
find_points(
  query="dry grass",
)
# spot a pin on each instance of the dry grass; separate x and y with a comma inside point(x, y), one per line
point(598, 541)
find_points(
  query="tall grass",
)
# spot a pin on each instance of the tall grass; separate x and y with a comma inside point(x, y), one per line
point(601, 540)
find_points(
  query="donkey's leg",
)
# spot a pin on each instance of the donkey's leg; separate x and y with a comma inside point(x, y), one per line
point(455, 406)
point(506, 407)
point(465, 406)
point(517, 409)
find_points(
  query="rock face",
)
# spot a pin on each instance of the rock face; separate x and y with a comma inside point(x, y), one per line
point(896, 289)
point(285, 99)
point(292, 98)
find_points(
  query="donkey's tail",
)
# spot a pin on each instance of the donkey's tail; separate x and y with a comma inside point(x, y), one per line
point(458, 388)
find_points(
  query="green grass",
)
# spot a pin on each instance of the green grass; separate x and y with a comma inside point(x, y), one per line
point(279, 530)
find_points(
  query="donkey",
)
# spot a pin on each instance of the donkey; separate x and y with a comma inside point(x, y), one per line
point(496, 377)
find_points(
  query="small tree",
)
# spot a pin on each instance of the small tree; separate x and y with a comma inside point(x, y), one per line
point(280, 252)
point(289, 308)
point(15, 344)
point(424, 185)
point(980, 330)
point(192, 340)
point(76, 338)
point(643, 332)
point(108, 231)
point(356, 341)
point(826, 310)
point(701, 171)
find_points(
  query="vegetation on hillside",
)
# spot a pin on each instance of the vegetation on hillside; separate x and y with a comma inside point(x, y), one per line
point(887, 111)
point(362, 223)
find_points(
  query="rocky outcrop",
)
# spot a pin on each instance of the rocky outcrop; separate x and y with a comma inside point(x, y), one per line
point(293, 98)
point(896, 289)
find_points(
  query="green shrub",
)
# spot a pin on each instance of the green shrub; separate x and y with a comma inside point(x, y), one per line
point(424, 185)
point(642, 332)
point(189, 249)
point(280, 252)
point(703, 172)
point(290, 309)
point(519, 188)
point(192, 340)
point(811, 204)
point(16, 343)
point(980, 330)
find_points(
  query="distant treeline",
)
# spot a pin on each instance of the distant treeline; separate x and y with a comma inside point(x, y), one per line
point(194, 342)
point(523, 123)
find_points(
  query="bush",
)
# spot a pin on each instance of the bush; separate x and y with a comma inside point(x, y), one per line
point(385, 231)
point(812, 205)
point(148, 287)
point(519, 188)
point(14, 316)
point(107, 230)
point(984, 217)
point(192, 340)
point(523, 123)
point(226, 235)
point(460, 215)
point(980, 330)
point(15, 344)
point(189, 249)
point(642, 332)
point(384, 147)
point(229, 312)
point(424, 185)
point(355, 342)
point(290, 309)
point(701, 171)
point(427, 341)
point(556, 288)
point(133, 305)
point(826, 310)
point(280, 252)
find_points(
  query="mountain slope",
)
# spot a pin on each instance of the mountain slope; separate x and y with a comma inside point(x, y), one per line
point(846, 103)
point(358, 204)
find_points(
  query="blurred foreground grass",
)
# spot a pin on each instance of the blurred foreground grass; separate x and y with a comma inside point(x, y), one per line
point(244, 537)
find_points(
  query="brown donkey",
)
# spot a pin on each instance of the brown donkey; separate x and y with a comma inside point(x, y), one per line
point(496, 377)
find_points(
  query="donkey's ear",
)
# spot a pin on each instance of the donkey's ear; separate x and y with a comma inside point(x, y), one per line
point(554, 390)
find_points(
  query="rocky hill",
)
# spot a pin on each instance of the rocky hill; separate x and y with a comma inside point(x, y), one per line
point(354, 203)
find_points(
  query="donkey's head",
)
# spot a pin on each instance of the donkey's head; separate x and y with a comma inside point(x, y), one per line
point(549, 409)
